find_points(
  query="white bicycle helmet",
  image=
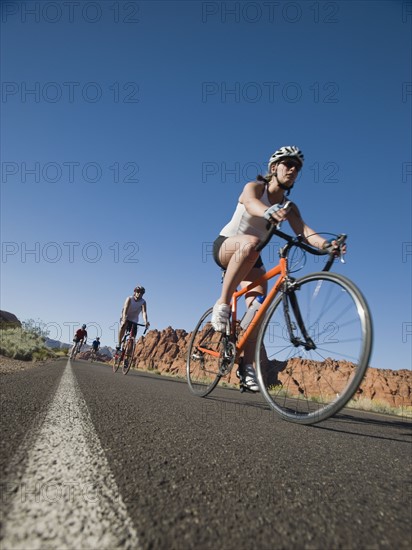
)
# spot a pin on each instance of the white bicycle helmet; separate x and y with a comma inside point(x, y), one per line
point(287, 151)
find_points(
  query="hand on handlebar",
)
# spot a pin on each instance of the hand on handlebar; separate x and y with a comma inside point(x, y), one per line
point(337, 247)
point(277, 214)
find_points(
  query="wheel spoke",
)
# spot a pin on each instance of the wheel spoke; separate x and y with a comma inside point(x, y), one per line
point(309, 385)
point(204, 357)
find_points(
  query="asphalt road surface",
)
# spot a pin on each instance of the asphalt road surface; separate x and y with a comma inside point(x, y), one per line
point(96, 460)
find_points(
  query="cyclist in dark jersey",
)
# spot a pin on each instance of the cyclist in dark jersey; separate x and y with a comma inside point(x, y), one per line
point(96, 344)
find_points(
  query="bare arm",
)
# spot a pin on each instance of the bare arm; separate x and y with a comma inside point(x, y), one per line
point(144, 313)
point(301, 228)
point(250, 198)
point(125, 309)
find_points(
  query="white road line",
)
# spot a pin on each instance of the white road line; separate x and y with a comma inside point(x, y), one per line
point(67, 497)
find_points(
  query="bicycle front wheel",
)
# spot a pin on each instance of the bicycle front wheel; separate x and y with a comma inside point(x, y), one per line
point(126, 365)
point(203, 357)
point(313, 347)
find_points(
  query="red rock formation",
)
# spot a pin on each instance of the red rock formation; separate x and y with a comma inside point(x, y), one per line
point(166, 351)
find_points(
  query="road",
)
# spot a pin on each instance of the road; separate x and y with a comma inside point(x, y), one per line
point(92, 459)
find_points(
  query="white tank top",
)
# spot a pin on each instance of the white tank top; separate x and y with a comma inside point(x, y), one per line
point(242, 223)
point(135, 307)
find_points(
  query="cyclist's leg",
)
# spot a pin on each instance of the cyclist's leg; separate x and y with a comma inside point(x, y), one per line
point(238, 255)
point(132, 339)
point(246, 371)
point(122, 331)
point(73, 350)
point(254, 273)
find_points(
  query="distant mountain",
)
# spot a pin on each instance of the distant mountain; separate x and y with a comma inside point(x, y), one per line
point(105, 350)
point(55, 344)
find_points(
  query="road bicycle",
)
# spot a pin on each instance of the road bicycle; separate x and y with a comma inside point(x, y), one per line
point(313, 344)
point(93, 355)
point(75, 350)
point(123, 357)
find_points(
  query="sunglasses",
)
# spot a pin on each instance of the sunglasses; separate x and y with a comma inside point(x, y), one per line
point(291, 164)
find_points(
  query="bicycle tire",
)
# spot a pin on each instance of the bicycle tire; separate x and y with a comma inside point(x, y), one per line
point(308, 386)
point(126, 365)
point(73, 352)
point(76, 351)
point(202, 369)
point(116, 362)
point(128, 355)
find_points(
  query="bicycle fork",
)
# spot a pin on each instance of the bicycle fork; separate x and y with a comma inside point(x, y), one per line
point(290, 302)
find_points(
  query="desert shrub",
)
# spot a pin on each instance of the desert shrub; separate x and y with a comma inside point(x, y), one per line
point(379, 406)
point(18, 343)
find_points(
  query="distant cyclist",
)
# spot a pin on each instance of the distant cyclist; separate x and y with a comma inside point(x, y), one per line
point(133, 306)
point(95, 348)
point(80, 336)
point(79, 339)
point(96, 344)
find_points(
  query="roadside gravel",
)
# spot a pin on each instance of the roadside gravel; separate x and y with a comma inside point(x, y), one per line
point(10, 366)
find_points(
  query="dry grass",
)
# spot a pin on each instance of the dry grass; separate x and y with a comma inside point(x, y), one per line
point(17, 343)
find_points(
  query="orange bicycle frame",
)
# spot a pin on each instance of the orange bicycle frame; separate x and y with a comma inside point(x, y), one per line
point(281, 270)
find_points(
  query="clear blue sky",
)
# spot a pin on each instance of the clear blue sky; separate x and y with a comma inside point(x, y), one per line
point(128, 130)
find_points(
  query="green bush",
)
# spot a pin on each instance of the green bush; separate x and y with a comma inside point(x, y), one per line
point(18, 343)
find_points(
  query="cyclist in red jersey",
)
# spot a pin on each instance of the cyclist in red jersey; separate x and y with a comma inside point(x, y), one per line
point(81, 335)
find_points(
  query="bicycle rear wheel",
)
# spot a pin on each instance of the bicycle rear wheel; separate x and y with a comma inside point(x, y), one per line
point(307, 379)
point(73, 352)
point(203, 357)
point(76, 351)
point(116, 362)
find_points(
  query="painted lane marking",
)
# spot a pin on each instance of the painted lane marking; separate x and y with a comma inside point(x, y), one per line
point(67, 496)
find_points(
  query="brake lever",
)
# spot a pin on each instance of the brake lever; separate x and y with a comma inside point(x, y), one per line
point(341, 241)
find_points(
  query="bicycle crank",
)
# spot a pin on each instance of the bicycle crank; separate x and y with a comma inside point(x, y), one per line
point(227, 358)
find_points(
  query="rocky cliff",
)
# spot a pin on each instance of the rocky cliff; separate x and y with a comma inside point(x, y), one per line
point(8, 319)
point(166, 351)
